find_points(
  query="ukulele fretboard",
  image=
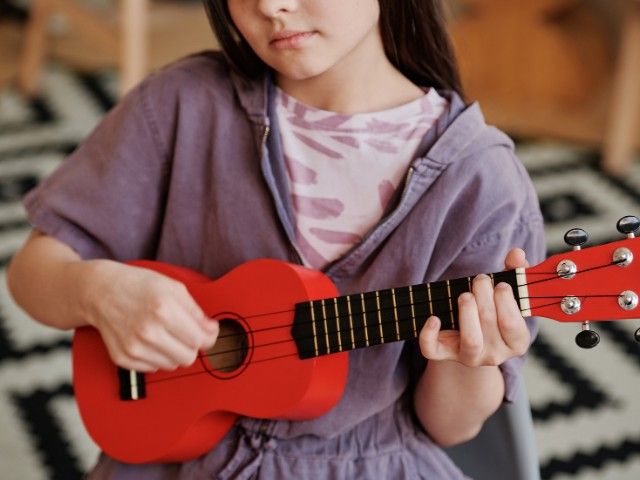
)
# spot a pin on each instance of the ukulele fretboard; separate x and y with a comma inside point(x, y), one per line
point(338, 324)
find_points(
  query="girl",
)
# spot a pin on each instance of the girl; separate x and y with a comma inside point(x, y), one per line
point(328, 133)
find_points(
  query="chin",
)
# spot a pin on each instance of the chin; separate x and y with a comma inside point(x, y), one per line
point(300, 71)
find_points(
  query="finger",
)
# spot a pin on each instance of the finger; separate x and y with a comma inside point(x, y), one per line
point(122, 358)
point(205, 329)
point(511, 324)
point(515, 258)
point(165, 350)
point(138, 366)
point(191, 326)
point(187, 326)
point(471, 337)
point(156, 360)
point(211, 336)
point(482, 289)
point(430, 346)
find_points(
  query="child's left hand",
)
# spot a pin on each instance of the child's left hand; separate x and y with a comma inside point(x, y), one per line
point(492, 328)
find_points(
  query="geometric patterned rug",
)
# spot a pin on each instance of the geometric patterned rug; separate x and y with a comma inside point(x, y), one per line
point(585, 403)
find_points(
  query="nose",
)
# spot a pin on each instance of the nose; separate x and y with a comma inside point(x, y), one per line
point(273, 8)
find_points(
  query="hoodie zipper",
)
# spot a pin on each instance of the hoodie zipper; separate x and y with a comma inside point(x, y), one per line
point(295, 256)
point(405, 188)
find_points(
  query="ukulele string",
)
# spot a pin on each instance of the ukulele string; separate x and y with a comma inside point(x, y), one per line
point(351, 330)
point(375, 325)
point(419, 303)
point(374, 341)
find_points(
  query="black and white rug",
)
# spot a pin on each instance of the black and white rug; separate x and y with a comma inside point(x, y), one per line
point(585, 403)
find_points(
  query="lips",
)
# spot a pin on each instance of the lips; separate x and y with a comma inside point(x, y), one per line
point(290, 39)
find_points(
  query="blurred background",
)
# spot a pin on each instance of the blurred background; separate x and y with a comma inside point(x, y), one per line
point(562, 77)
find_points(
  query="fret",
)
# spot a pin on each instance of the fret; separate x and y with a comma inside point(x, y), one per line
point(452, 301)
point(379, 315)
point(321, 327)
point(338, 330)
point(313, 326)
point(389, 316)
point(374, 322)
point(413, 312)
point(421, 304)
point(364, 319)
point(357, 320)
point(440, 302)
point(395, 313)
point(326, 330)
point(510, 277)
point(457, 288)
point(353, 340)
point(401, 305)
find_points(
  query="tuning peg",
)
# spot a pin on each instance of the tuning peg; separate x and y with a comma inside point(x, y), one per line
point(628, 225)
point(576, 237)
point(587, 338)
point(637, 335)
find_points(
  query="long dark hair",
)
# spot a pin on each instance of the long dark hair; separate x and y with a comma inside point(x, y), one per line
point(413, 32)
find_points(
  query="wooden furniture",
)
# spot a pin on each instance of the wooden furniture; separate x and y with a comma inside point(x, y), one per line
point(10, 41)
point(135, 35)
point(623, 123)
point(556, 69)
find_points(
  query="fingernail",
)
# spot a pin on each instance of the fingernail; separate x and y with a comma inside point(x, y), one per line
point(211, 325)
point(465, 297)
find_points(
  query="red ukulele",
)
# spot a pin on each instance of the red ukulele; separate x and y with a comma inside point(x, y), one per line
point(285, 336)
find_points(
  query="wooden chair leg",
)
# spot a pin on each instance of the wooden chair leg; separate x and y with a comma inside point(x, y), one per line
point(34, 47)
point(134, 48)
point(623, 124)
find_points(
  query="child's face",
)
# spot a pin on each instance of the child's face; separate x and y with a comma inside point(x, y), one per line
point(301, 39)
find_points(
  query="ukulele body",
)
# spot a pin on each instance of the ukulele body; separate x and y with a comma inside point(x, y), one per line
point(253, 370)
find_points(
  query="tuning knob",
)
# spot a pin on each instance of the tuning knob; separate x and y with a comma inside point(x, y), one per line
point(588, 339)
point(628, 224)
point(637, 335)
point(576, 237)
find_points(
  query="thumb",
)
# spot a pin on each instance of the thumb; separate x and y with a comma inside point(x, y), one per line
point(515, 258)
point(210, 329)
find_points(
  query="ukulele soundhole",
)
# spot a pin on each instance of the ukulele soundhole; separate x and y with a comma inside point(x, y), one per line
point(230, 351)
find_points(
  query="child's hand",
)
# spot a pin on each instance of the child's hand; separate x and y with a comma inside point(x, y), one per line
point(492, 329)
point(147, 321)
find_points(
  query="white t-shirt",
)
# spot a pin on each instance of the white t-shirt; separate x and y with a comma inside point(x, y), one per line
point(343, 170)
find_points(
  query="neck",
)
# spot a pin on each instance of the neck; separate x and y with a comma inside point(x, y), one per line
point(338, 324)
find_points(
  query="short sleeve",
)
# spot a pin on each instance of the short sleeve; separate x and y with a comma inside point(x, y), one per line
point(488, 257)
point(493, 213)
point(106, 199)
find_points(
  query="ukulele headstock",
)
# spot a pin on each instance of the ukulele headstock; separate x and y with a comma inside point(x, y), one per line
point(591, 284)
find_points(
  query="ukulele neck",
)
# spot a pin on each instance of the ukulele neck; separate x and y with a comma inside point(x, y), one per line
point(338, 324)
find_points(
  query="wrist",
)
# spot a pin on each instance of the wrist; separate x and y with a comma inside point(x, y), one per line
point(86, 278)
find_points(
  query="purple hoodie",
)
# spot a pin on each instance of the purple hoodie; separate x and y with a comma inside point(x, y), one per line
point(188, 169)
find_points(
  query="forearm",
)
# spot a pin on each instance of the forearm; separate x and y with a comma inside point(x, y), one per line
point(452, 401)
point(46, 278)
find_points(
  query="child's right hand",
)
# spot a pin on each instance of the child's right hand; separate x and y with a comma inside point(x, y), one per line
point(148, 322)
